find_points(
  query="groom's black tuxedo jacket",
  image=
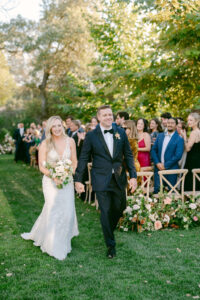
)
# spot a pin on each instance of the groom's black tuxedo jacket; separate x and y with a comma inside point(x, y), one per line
point(102, 162)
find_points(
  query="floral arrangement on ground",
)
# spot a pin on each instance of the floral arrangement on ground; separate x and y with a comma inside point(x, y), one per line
point(150, 214)
point(8, 145)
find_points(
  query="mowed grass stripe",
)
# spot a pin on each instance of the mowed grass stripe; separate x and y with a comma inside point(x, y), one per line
point(146, 266)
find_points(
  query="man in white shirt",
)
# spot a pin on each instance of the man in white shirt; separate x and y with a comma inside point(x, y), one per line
point(166, 153)
point(109, 148)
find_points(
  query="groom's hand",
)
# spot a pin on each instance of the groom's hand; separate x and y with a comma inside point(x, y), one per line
point(133, 184)
point(79, 187)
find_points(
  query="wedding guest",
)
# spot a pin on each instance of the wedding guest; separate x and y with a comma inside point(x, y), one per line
point(121, 117)
point(131, 132)
point(166, 153)
point(19, 147)
point(28, 140)
point(33, 126)
point(154, 129)
point(37, 141)
point(181, 129)
point(68, 124)
point(39, 127)
point(74, 127)
point(164, 119)
point(94, 122)
point(192, 146)
point(144, 143)
point(44, 123)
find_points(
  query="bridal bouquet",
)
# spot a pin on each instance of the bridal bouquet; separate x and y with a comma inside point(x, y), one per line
point(61, 170)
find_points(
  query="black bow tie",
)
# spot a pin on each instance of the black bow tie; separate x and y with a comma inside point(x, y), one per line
point(110, 131)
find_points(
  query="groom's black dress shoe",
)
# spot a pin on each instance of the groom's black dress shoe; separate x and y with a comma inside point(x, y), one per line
point(111, 252)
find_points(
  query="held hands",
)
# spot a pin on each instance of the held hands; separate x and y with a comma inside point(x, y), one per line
point(160, 166)
point(79, 187)
point(133, 184)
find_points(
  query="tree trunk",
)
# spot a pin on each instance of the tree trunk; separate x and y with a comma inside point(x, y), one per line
point(43, 93)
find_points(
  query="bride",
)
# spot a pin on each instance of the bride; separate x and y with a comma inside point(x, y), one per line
point(57, 223)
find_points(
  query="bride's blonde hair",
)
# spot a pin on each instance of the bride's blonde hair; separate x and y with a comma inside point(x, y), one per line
point(48, 132)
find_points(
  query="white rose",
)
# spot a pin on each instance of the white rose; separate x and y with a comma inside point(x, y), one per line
point(136, 207)
point(184, 219)
point(148, 206)
point(138, 201)
point(128, 210)
point(193, 206)
point(166, 219)
point(152, 218)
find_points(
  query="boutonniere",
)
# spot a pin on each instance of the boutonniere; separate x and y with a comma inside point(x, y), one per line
point(117, 136)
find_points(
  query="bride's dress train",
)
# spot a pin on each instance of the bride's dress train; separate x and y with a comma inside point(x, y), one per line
point(57, 223)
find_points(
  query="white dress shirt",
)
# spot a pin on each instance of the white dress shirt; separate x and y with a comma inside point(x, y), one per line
point(108, 137)
point(166, 140)
point(21, 130)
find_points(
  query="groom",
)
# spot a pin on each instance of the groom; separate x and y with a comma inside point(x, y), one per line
point(109, 148)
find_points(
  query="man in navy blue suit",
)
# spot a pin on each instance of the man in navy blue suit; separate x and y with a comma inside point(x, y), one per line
point(109, 148)
point(166, 153)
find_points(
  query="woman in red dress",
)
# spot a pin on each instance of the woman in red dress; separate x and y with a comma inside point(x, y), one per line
point(144, 143)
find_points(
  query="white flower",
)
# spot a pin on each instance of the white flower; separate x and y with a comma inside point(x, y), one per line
point(138, 201)
point(166, 218)
point(184, 219)
point(155, 200)
point(130, 218)
point(148, 206)
point(150, 200)
point(136, 207)
point(141, 195)
point(128, 210)
point(193, 206)
point(152, 218)
point(125, 229)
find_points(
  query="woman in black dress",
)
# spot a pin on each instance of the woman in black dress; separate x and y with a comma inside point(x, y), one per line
point(192, 146)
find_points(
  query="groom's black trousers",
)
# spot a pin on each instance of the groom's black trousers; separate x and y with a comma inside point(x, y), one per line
point(112, 203)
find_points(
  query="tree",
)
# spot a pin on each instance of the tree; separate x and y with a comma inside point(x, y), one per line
point(7, 83)
point(55, 46)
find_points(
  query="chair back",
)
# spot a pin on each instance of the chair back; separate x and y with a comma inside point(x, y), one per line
point(173, 190)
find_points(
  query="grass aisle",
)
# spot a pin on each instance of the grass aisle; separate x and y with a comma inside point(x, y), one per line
point(161, 265)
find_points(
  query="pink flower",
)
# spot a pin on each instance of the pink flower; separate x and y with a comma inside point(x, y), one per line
point(157, 225)
point(195, 218)
point(167, 200)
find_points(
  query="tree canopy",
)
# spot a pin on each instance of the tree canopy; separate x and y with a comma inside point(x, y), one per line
point(138, 56)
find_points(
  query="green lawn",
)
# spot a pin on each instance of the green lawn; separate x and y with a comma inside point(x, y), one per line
point(161, 265)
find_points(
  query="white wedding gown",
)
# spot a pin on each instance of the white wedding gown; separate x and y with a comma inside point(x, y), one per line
point(57, 223)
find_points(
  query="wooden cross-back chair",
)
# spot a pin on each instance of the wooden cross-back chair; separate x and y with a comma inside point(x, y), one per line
point(146, 181)
point(88, 184)
point(196, 178)
point(173, 190)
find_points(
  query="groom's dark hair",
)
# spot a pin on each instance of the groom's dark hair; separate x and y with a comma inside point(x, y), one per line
point(103, 107)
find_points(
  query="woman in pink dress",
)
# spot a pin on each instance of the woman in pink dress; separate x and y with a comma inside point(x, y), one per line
point(144, 143)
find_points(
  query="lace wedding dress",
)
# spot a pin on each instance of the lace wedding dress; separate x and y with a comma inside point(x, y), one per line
point(57, 223)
